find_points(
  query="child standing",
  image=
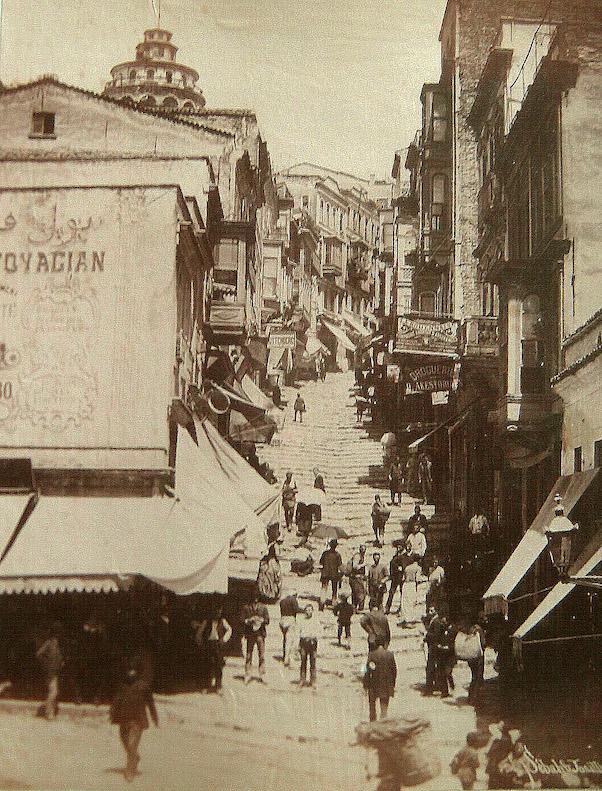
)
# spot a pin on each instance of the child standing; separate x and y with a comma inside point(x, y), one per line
point(466, 762)
point(128, 710)
point(343, 611)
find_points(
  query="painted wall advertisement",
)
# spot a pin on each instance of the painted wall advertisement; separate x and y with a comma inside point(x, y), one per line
point(84, 306)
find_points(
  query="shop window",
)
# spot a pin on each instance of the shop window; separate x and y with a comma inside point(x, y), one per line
point(42, 124)
point(578, 459)
point(598, 453)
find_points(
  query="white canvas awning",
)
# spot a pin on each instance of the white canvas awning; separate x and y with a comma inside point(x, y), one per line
point(339, 334)
point(570, 488)
point(179, 544)
point(586, 563)
point(356, 324)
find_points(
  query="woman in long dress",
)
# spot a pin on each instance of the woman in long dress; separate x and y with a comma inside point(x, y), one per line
point(409, 592)
point(269, 577)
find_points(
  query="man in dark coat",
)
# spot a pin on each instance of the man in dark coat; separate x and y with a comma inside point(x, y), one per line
point(434, 639)
point(381, 675)
point(375, 623)
point(331, 563)
point(397, 566)
point(298, 408)
point(211, 636)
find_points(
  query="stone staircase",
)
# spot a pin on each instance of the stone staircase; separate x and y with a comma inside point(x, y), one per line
point(348, 455)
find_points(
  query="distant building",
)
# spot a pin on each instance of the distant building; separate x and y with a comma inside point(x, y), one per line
point(154, 78)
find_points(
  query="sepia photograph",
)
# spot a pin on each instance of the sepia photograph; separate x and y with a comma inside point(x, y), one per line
point(300, 395)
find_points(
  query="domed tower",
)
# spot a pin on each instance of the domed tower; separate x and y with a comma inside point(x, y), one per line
point(155, 79)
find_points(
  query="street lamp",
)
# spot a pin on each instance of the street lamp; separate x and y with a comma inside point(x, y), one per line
point(560, 533)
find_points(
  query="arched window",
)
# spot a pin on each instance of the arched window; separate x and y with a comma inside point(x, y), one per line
point(170, 101)
point(184, 81)
point(149, 101)
point(168, 76)
point(150, 74)
point(132, 75)
point(188, 106)
point(426, 302)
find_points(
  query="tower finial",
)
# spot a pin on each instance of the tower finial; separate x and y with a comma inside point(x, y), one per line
point(157, 10)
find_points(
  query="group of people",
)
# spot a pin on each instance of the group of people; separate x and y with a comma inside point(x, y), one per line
point(498, 753)
point(416, 477)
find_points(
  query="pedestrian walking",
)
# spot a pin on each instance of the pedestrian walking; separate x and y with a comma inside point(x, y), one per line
point(466, 762)
point(299, 408)
point(409, 592)
point(50, 657)
point(376, 625)
point(425, 477)
point(310, 631)
point(319, 480)
point(289, 500)
point(289, 609)
point(395, 481)
point(377, 581)
point(477, 664)
point(277, 396)
point(344, 612)
point(380, 514)
point(397, 567)
point(269, 576)
point(357, 578)
point(331, 563)
point(255, 618)
point(435, 634)
point(380, 678)
point(128, 710)
point(417, 540)
point(417, 517)
point(435, 596)
point(211, 636)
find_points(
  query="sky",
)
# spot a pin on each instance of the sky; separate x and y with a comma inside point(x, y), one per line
point(335, 82)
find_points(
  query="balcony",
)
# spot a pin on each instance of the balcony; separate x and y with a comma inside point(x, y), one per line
point(479, 337)
point(332, 267)
point(527, 414)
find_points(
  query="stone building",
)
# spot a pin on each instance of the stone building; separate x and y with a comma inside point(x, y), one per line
point(534, 119)
point(337, 209)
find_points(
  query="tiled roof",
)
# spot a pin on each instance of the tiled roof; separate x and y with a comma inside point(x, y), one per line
point(137, 108)
point(62, 154)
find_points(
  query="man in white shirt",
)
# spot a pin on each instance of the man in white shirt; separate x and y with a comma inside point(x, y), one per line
point(310, 631)
point(417, 542)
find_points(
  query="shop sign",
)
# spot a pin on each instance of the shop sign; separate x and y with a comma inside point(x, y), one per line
point(433, 378)
point(427, 335)
point(282, 340)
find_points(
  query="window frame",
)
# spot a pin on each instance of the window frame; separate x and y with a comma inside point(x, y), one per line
point(43, 133)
